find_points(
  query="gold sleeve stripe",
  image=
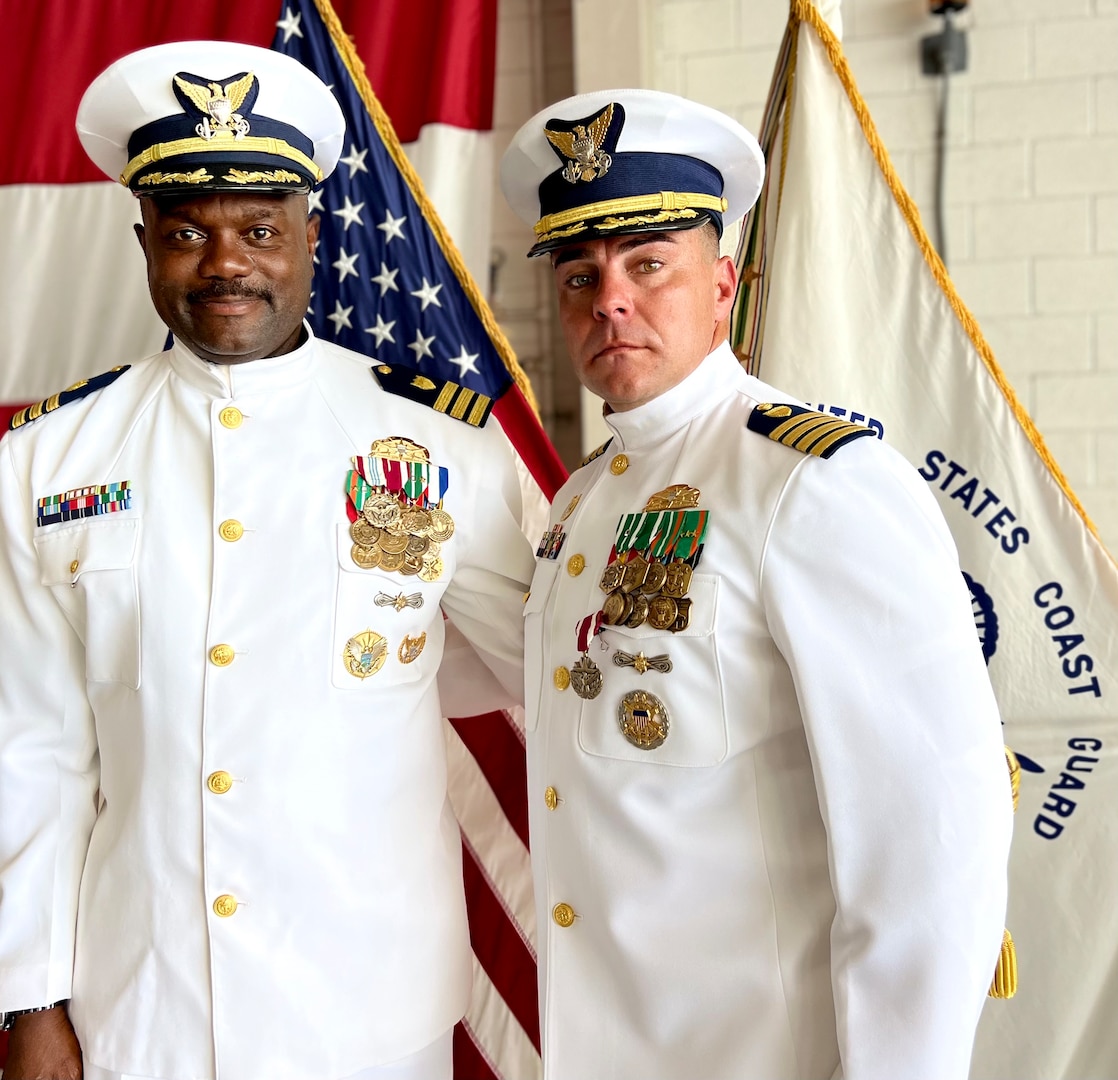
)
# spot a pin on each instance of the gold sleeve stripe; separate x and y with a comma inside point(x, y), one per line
point(442, 402)
point(478, 412)
point(461, 403)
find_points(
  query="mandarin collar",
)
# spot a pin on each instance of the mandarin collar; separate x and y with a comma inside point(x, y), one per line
point(716, 378)
point(252, 376)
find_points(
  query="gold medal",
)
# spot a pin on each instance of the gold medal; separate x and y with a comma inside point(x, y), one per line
point(586, 678)
point(643, 719)
point(678, 579)
point(410, 648)
point(613, 610)
point(364, 533)
point(654, 579)
point(570, 508)
point(639, 612)
point(635, 570)
point(612, 576)
point(393, 544)
point(683, 616)
point(368, 558)
point(415, 520)
point(412, 564)
point(432, 569)
point(381, 510)
point(442, 526)
point(417, 545)
point(391, 561)
point(661, 612)
point(364, 654)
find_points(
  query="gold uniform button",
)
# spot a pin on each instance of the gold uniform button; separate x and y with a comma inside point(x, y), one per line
point(550, 798)
point(230, 417)
point(563, 914)
point(575, 565)
point(224, 906)
point(221, 655)
point(219, 782)
point(619, 465)
point(562, 678)
point(74, 566)
point(231, 530)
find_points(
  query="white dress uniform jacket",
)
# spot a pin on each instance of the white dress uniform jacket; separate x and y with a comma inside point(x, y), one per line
point(808, 877)
point(239, 864)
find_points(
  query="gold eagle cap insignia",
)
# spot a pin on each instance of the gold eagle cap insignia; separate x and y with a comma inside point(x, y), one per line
point(219, 104)
point(586, 160)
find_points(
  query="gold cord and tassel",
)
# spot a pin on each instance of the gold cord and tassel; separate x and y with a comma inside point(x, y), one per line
point(1005, 974)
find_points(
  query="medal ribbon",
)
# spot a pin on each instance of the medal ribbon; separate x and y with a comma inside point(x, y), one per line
point(692, 533)
point(587, 629)
point(421, 483)
point(356, 488)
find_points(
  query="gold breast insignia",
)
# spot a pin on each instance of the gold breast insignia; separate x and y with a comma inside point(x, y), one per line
point(365, 654)
point(643, 719)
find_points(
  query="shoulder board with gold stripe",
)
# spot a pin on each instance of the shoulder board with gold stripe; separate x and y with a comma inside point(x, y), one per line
point(804, 429)
point(71, 393)
point(446, 397)
point(595, 453)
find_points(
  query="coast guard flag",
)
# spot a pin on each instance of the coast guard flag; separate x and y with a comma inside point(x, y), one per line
point(389, 282)
point(846, 305)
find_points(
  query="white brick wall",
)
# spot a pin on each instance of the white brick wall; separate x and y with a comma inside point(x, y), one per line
point(1032, 178)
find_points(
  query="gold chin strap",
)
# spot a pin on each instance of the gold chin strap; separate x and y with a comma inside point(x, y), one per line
point(634, 204)
point(257, 144)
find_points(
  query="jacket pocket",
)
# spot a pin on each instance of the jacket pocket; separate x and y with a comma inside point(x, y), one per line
point(90, 569)
point(388, 627)
point(690, 695)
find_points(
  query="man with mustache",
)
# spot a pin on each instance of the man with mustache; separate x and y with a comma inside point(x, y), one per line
point(769, 806)
point(226, 847)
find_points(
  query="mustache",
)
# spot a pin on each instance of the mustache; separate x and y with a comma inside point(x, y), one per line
point(222, 290)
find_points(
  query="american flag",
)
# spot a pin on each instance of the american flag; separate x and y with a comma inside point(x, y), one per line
point(389, 283)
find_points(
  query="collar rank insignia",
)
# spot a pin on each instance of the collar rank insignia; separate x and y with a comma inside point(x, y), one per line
point(71, 393)
point(804, 429)
point(580, 144)
point(218, 104)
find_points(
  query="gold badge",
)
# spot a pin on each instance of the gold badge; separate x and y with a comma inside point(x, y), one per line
point(641, 663)
point(399, 602)
point(218, 105)
point(397, 448)
point(643, 719)
point(675, 497)
point(410, 648)
point(570, 508)
point(365, 654)
point(586, 160)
